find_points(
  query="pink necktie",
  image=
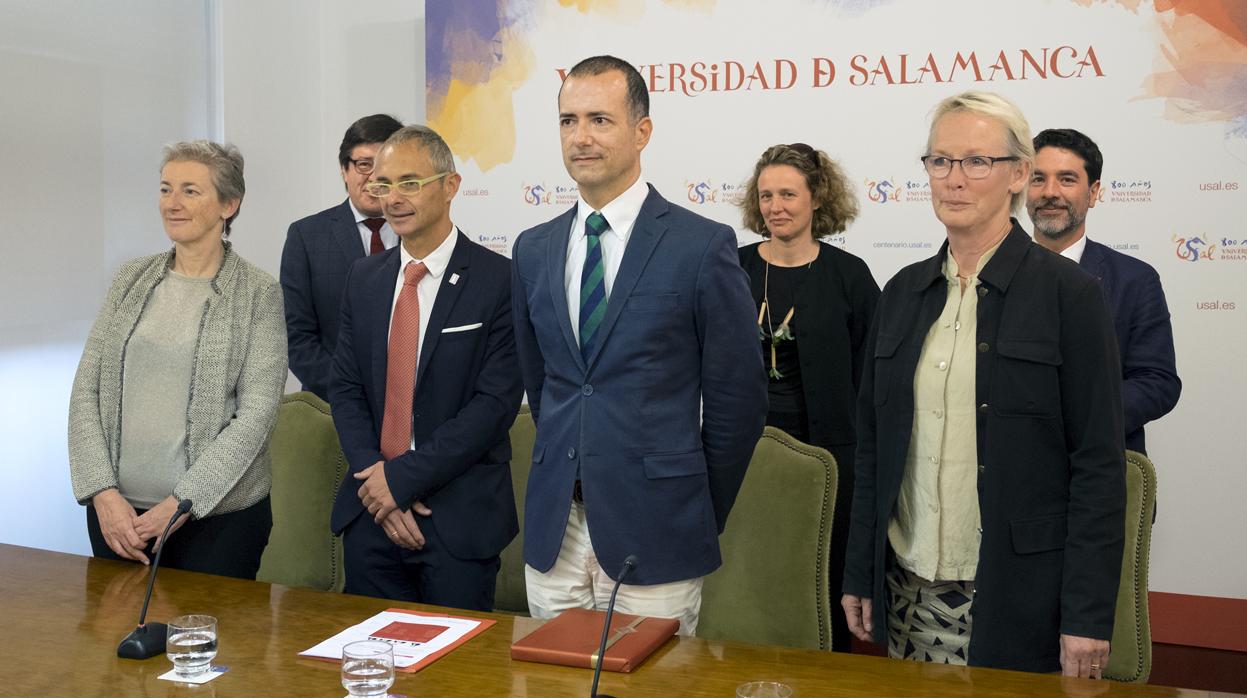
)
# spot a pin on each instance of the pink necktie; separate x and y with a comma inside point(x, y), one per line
point(400, 372)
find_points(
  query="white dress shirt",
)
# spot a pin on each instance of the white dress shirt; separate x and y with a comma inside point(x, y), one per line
point(621, 215)
point(426, 290)
point(1075, 250)
point(388, 237)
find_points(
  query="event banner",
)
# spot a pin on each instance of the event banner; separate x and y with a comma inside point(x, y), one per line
point(1160, 85)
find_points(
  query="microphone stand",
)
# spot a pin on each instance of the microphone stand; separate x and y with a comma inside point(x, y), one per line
point(148, 639)
point(629, 564)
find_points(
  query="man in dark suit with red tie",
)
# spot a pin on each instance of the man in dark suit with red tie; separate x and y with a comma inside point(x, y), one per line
point(321, 248)
point(1064, 186)
point(425, 388)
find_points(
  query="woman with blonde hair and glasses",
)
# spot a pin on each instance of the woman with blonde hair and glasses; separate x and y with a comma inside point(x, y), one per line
point(179, 384)
point(987, 524)
point(815, 303)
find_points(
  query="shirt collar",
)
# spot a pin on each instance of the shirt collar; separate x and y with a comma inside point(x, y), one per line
point(359, 217)
point(1006, 258)
point(620, 214)
point(950, 265)
point(437, 260)
point(1075, 250)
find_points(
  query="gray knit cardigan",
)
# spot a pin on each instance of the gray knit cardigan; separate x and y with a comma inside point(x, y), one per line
point(237, 380)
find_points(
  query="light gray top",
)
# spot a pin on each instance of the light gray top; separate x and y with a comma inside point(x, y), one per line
point(238, 372)
point(156, 384)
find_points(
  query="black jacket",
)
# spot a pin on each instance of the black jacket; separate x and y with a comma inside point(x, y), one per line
point(835, 305)
point(1051, 481)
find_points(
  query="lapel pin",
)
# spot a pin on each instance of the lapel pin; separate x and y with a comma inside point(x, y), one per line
point(454, 279)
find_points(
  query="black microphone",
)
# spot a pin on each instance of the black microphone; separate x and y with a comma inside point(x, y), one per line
point(148, 640)
point(629, 564)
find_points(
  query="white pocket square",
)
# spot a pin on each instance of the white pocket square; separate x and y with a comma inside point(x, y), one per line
point(462, 328)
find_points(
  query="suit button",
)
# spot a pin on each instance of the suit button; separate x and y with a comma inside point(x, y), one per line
point(586, 390)
point(571, 453)
point(982, 291)
point(983, 408)
point(982, 468)
point(943, 365)
point(983, 347)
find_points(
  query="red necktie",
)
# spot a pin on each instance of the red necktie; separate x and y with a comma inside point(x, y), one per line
point(374, 224)
point(400, 372)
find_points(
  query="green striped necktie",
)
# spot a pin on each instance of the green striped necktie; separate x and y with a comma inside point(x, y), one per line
point(592, 283)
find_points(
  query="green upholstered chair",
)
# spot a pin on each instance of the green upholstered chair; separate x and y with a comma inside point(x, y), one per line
point(308, 467)
point(772, 588)
point(1130, 656)
point(510, 594)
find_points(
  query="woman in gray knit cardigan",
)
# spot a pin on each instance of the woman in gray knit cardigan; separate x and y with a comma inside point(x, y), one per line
point(179, 384)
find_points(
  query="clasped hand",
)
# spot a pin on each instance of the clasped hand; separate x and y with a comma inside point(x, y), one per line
point(400, 526)
point(127, 532)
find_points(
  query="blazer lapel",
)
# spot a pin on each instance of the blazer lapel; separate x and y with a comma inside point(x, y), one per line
point(346, 232)
point(447, 295)
point(1092, 260)
point(560, 230)
point(380, 302)
point(646, 233)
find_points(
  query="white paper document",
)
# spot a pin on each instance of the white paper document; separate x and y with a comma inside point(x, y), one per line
point(415, 636)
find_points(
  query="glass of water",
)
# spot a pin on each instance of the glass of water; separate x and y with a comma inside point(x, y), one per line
point(764, 689)
point(368, 668)
point(191, 644)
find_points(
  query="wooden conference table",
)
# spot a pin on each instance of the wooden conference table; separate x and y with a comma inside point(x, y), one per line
point(61, 617)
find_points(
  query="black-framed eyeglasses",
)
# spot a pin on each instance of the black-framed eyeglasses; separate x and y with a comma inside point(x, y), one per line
point(361, 166)
point(972, 166)
point(407, 187)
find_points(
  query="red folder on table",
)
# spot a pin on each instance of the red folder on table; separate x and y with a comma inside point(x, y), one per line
point(572, 639)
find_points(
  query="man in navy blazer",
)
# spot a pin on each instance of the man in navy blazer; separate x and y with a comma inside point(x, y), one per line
point(1065, 184)
point(425, 389)
point(637, 343)
point(320, 249)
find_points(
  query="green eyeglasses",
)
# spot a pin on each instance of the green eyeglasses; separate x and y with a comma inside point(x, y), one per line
point(407, 187)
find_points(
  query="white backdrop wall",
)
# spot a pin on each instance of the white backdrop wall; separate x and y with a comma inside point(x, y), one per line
point(295, 75)
point(92, 90)
point(90, 93)
point(1163, 93)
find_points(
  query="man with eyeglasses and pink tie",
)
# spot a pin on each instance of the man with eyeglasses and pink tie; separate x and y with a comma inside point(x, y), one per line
point(425, 388)
point(321, 248)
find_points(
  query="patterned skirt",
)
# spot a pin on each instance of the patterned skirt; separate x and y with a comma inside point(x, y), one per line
point(928, 621)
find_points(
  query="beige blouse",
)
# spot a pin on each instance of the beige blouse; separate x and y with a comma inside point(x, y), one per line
point(935, 527)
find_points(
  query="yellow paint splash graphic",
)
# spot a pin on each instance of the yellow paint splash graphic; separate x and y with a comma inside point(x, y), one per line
point(478, 118)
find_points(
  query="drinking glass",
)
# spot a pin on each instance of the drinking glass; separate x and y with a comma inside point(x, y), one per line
point(191, 644)
point(764, 689)
point(368, 668)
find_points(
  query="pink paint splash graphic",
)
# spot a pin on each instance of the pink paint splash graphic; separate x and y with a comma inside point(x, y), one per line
point(1202, 74)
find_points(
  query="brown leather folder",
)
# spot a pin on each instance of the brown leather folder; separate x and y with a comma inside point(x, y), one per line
point(572, 639)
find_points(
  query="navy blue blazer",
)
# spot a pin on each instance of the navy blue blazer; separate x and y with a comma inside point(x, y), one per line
point(661, 421)
point(318, 252)
point(1150, 384)
point(467, 395)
